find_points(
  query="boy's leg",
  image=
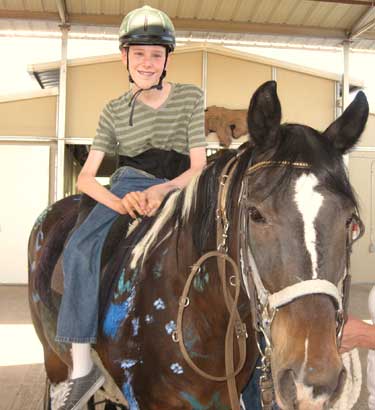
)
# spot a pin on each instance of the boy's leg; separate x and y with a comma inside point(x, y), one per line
point(78, 315)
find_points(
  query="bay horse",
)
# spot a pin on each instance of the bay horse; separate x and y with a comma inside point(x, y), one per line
point(281, 209)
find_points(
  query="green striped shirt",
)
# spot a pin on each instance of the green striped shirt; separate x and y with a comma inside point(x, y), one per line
point(177, 125)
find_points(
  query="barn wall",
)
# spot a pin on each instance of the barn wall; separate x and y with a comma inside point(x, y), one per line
point(362, 176)
point(306, 99)
point(89, 88)
point(232, 81)
point(368, 136)
point(30, 116)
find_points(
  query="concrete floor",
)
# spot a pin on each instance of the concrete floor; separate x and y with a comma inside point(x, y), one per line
point(21, 370)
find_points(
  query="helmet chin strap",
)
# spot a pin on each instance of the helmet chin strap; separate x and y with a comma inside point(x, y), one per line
point(158, 86)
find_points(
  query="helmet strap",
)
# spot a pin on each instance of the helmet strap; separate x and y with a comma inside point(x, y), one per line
point(158, 86)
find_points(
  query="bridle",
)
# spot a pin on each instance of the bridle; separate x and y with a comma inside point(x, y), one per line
point(263, 304)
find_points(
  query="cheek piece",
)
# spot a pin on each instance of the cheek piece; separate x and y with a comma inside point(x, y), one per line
point(158, 86)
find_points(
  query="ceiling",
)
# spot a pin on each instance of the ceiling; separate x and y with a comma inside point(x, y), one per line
point(308, 23)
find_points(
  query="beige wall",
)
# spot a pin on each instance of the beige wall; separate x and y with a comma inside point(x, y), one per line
point(32, 116)
point(186, 68)
point(306, 99)
point(89, 88)
point(368, 137)
point(232, 81)
point(363, 262)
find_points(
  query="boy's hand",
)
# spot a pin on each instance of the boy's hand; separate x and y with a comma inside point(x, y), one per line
point(135, 202)
point(154, 197)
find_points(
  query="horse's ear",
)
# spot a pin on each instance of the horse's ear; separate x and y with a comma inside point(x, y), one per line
point(344, 133)
point(264, 115)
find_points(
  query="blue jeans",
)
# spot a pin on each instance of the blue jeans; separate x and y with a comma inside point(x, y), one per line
point(251, 392)
point(78, 314)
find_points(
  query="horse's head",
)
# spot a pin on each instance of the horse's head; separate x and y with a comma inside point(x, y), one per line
point(297, 215)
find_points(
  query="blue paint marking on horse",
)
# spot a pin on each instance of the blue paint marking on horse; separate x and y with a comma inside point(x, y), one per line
point(156, 271)
point(177, 368)
point(39, 239)
point(127, 387)
point(41, 217)
point(128, 363)
point(200, 281)
point(159, 304)
point(190, 340)
point(35, 297)
point(149, 319)
point(116, 314)
point(135, 324)
point(128, 392)
point(170, 327)
point(123, 286)
point(215, 402)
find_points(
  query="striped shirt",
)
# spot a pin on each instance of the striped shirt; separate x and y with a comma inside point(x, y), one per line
point(177, 125)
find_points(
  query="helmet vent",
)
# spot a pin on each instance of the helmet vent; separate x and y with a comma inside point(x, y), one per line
point(145, 24)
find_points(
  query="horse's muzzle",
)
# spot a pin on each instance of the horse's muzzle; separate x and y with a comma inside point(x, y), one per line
point(315, 389)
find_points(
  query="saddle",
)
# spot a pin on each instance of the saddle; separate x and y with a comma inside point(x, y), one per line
point(117, 232)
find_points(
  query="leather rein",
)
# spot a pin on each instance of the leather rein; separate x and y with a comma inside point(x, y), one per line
point(263, 304)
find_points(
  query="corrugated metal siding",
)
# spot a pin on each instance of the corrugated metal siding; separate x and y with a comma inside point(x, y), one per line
point(279, 13)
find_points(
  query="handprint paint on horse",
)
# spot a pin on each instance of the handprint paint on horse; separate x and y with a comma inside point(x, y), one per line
point(288, 209)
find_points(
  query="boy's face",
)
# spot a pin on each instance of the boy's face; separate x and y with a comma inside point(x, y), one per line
point(146, 64)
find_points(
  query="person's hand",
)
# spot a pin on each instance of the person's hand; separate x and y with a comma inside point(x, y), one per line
point(118, 207)
point(154, 197)
point(134, 202)
point(354, 334)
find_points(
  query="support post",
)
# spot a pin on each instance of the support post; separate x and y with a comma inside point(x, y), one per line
point(345, 85)
point(61, 119)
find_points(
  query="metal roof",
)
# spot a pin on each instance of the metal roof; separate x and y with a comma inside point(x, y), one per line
point(298, 22)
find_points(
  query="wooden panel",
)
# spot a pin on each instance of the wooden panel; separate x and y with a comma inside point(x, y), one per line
point(368, 136)
point(186, 68)
point(89, 88)
point(35, 116)
point(306, 99)
point(231, 81)
point(363, 181)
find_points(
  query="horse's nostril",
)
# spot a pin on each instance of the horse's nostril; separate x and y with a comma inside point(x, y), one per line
point(232, 126)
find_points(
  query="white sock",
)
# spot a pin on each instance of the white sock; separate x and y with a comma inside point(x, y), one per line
point(82, 361)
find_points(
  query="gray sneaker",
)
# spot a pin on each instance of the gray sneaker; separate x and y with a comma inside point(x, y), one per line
point(77, 392)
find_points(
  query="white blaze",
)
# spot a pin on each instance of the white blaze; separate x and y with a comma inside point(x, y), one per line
point(309, 202)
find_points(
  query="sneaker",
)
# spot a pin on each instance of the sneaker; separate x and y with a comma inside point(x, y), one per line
point(75, 393)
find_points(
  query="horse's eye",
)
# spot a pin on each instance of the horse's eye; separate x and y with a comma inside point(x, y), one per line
point(256, 216)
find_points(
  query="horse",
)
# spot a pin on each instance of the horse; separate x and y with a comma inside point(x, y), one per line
point(260, 239)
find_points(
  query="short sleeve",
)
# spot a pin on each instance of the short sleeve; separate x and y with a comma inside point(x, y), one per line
point(105, 139)
point(196, 135)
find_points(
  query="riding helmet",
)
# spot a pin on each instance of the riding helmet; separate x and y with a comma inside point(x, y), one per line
point(147, 26)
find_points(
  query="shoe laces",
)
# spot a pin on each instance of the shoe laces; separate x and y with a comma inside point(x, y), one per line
point(59, 394)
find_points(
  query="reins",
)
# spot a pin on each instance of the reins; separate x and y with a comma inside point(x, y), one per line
point(263, 304)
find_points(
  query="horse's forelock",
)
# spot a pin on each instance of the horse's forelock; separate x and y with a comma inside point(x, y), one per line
point(300, 143)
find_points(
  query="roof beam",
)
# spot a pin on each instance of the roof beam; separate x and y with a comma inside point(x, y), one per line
point(365, 23)
point(352, 2)
point(218, 26)
point(63, 12)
